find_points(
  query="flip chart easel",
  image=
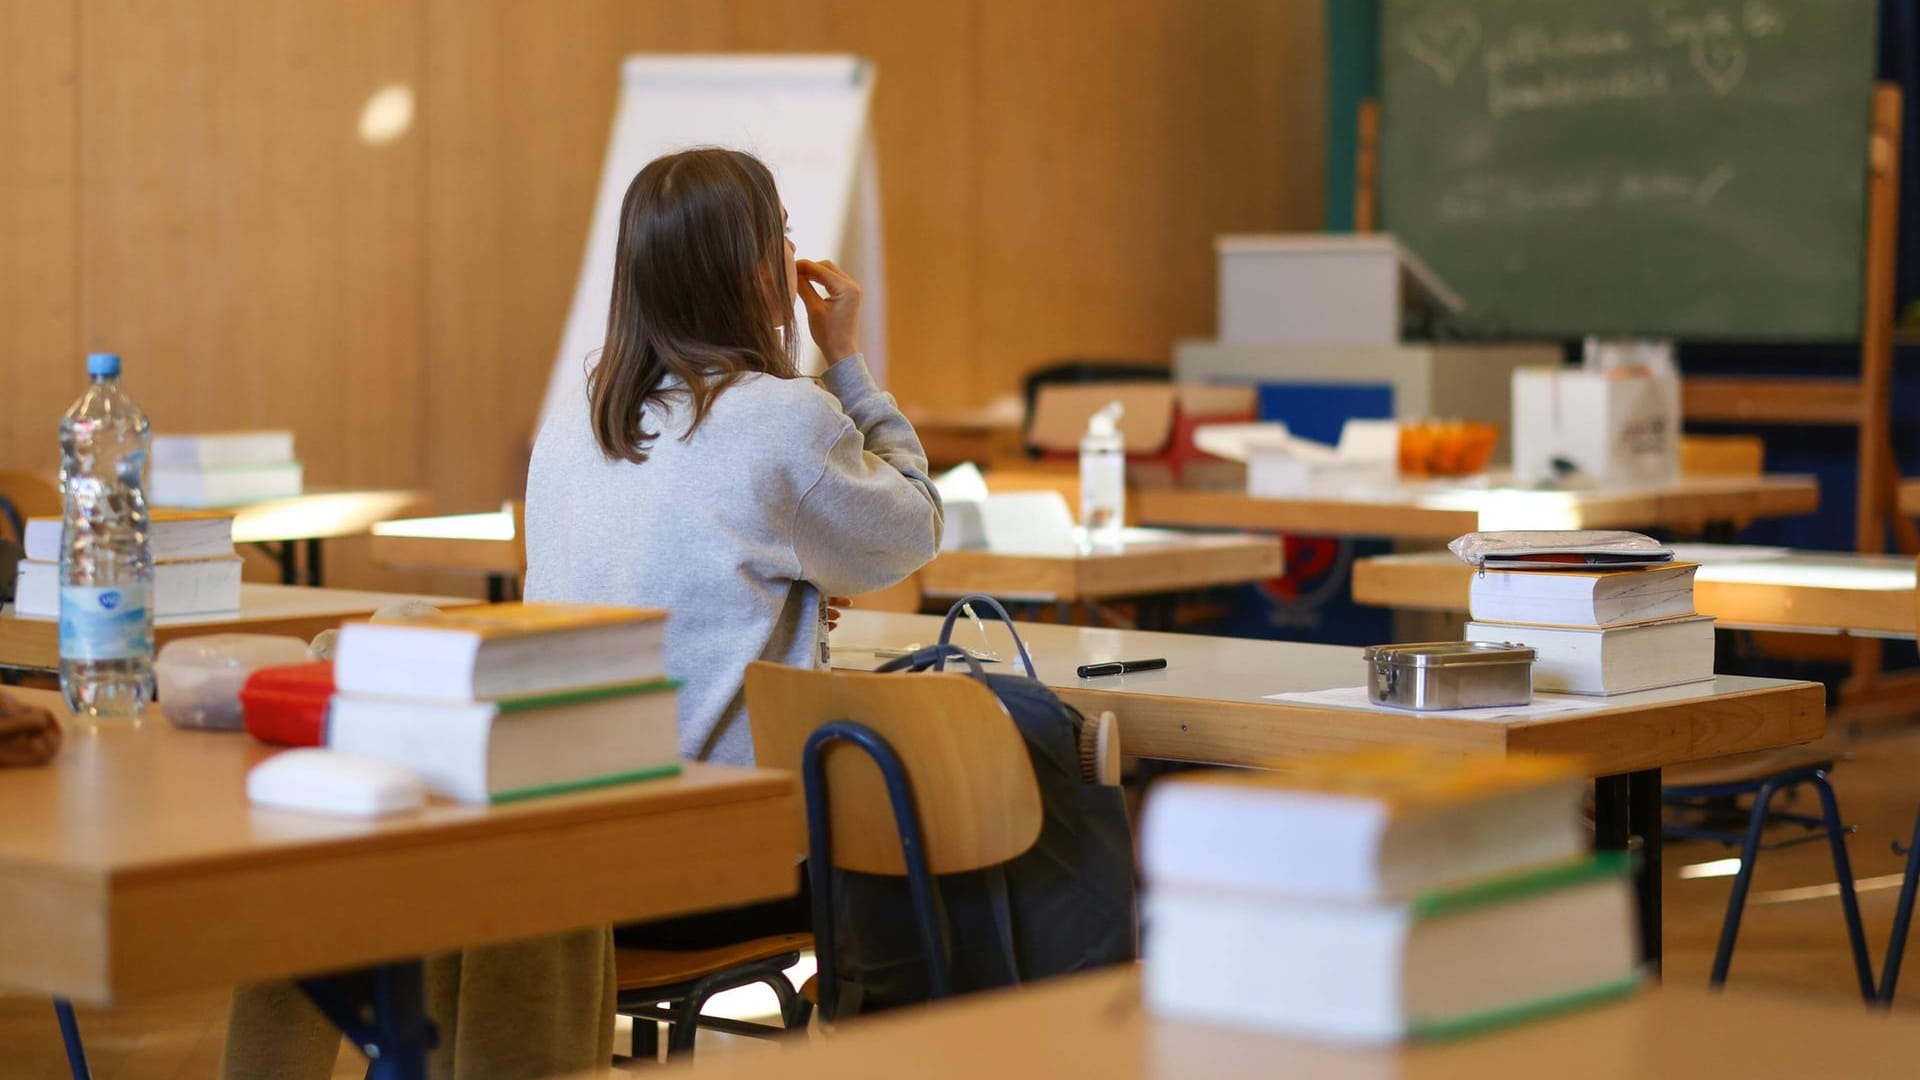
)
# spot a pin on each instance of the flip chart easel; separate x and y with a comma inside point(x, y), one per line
point(805, 116)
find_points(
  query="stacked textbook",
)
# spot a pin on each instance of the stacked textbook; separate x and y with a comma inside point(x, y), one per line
point(223, 469)
point(1597, 630)
point(510, 701)
point(195, 569)
point(1381, 895)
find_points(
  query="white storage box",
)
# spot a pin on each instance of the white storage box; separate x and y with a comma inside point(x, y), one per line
point(1320, 289)
point(1597, 427)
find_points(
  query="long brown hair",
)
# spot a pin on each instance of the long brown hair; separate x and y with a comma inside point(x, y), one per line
point(699, 294)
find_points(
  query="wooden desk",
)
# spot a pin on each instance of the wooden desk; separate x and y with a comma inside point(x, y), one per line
point(1438, 510)
point(1095, 1025)
point(1150, 561)
point(1744, 587)
point(1210, 705)
point(134, 865)
point(492, 543)
point(33, 643)
point(281, 525)
point(985, 435)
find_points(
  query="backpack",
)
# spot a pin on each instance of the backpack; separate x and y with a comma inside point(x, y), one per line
point(1066, 905)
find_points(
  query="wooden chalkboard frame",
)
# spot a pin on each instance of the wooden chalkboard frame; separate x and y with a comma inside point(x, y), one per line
point(1864, 403)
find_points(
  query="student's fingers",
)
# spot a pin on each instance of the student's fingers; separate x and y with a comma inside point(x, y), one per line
point(840, 601)
point(829, 277)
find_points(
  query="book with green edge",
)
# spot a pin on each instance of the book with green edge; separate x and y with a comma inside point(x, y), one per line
point(1446, 964)
point(555, 699)
point(518, 748)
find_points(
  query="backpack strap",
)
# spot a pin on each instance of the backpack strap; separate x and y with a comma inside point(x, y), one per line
point(999, 612)
point(933, 657)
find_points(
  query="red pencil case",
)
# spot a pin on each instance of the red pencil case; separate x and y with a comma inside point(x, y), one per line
point(287, 705)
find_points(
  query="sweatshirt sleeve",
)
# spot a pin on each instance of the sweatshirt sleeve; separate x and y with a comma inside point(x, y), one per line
point(872, 516)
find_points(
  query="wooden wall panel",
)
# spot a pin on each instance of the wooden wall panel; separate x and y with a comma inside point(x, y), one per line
point(255, 261)
point(1116, 139)
point(39, 331)
point(520, 105)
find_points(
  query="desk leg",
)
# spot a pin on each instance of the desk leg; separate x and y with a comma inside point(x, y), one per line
point(383, 1010)
point(1625, 807)
point(496, 588)
point(314, 572)
point(1644, 795)
point(288, 556)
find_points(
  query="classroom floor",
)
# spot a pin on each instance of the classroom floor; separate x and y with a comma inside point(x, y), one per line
point(1792, 940)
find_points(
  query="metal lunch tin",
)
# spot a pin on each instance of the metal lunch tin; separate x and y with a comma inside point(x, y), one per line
point(1449, 675)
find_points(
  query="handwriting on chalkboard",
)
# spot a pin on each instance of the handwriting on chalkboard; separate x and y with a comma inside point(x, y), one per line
point(1482, 198)
point(1532, 67)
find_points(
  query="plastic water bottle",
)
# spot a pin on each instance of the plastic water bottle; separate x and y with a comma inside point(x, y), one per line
point(106, 559)
point(1103, 478)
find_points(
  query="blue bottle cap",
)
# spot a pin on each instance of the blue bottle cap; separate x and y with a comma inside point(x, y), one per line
point(103, 363)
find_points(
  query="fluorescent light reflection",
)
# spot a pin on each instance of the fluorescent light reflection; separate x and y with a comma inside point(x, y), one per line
point(387, 114)
point(1716, 868)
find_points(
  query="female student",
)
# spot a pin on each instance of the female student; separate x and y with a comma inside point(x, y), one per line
point(701, 473)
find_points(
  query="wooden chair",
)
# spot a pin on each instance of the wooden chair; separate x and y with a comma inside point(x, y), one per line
point(31, 495)
point(1722, 455)
point(905, 777)
point(1902, 911)
point(673, 986)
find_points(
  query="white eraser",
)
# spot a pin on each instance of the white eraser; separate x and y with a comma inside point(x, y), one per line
point(330, 782)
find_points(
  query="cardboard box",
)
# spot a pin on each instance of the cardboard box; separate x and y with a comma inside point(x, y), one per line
point(1597, 427)
point(1321, 289)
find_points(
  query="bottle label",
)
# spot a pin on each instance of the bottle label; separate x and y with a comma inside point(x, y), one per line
point(105, 622)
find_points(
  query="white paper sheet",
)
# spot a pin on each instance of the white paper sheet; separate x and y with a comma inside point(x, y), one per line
point(1355, 697)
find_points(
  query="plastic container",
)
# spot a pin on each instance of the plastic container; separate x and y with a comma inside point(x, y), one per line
point(106, 558)
point(200, 677)
point(1103, 478)
point(287, 706)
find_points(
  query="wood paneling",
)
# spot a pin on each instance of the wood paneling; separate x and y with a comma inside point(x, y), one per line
point(39, 331)
point(185, 183)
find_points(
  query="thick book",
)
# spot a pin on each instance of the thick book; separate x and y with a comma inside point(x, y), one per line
point(1442, 965)
point(1367, 825)
point(173, 534)
point(518, 748)
point(222, 450)
point(1584, 598)
point(1615, 660)
point(228, 486)
point(502, 650)
point(187, 587)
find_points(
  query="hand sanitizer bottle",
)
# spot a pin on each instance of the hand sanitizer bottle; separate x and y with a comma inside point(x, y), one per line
point(1103, 478)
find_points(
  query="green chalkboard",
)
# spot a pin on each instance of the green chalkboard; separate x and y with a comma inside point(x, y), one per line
point(1674, 168)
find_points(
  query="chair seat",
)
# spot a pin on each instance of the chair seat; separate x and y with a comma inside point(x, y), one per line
point(1744, 768)
point(640, 969)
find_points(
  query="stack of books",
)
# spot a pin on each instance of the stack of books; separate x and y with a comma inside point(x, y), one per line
point(195, 569)
point(1598, 631)
point(1380, 896)
point(510, 701)
point(223, 469)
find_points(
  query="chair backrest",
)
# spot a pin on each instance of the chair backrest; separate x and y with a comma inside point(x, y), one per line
point(31, 495)
point(1083, 370)
point(972, 780)
point(1722, 455)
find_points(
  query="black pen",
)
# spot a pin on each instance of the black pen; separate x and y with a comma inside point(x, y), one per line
point(1120, 667)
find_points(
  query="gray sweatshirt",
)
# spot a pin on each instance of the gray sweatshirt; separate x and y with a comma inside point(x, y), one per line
point(787, 493)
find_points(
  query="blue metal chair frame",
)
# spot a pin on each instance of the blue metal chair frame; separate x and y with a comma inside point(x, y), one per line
point(1902, 916)
point(70, 1034)
point(913, 849)
point(679, 1006)
point(1763, 791)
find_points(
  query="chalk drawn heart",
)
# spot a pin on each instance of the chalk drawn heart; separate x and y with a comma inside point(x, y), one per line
point(1720, 63)
point(1444, 43)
